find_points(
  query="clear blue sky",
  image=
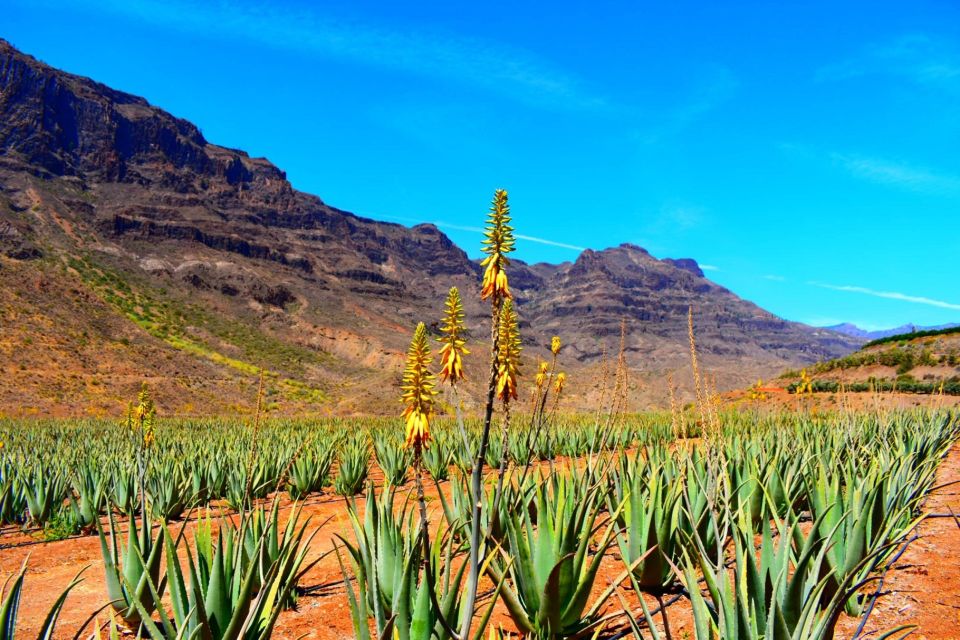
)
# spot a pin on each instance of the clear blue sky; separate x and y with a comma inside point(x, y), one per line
point(808, 157)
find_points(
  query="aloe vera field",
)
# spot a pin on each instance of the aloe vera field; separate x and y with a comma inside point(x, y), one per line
point(513, 515)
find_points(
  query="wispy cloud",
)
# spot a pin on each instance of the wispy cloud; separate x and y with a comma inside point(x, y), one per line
point(884, 171)
point(890, 295)
point(918, 57)
point(459, 227)
point(896, 174)
point(482, 63)
point(709, 267)
point(552, 243)
point(774, 278)
point(677, 216)
point(718, 86)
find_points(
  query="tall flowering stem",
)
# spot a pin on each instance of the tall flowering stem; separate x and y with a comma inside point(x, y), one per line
point(545, 374)
point(508, 370)
point(497, 243)
point(508, 358)
point(141, 424)
point(454, 348)
point(453, 331)
point(418, 392)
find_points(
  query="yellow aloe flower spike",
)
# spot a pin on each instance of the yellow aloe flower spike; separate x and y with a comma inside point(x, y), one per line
point(141, 418)
point(508, 361)
point(555, 345)
point(453, 328)
point(558, 385)
point(418, 391)
point(542, 374)
point(756, 391)
point(497, 243)
point(806, 384)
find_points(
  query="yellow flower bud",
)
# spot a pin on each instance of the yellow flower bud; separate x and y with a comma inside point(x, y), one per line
point(558, 384)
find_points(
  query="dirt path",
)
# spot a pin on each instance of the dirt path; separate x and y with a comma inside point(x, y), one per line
point(923, 587)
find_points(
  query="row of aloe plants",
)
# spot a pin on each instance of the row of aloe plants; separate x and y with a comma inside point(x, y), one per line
point(75, 471)
point(773, 530)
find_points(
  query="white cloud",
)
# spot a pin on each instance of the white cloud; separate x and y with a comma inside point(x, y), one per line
point(483, 63)
point(898, 174)
point(552, 243)
point(918, 57)
point(479, 230)
point(716, 88)
point(709, 267)
point(890, 295)
point(774, 278)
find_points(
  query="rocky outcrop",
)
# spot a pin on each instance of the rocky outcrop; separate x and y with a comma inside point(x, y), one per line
point(84, 167)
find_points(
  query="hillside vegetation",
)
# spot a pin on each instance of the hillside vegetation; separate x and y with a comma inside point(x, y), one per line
point(919, 362)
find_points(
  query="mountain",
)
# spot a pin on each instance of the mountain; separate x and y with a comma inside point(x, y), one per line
point(854, 331)
point(131, 248)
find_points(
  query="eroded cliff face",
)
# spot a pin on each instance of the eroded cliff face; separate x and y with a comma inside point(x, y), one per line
point(93, 176)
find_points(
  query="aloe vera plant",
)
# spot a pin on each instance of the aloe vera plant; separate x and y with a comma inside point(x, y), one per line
point(778, 592)
point(352, 467)
point(170, 492)
point(855, 523)
point(309, 473)
point(386, 546)
point(393, 459)
point(706, 498)
point(123, 490)
point(12, 502)
point(458, 509)
point(44, 494)
point(551, 571)
point(437, 458)
point(393, 588)
point(90, 499)
point(131, 582)
point(650, 519)
point(237, 584)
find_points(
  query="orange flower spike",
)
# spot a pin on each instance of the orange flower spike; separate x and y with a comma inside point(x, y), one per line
point(509, 358)
point(418, 391)
point(497, 243)
point(452, 328)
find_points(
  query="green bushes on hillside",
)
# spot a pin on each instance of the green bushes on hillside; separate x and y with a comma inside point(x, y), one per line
point(900, 337)
point(951, 387)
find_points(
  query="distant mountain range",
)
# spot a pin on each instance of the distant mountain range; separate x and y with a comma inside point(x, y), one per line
point(131, 249)
point(854, 331)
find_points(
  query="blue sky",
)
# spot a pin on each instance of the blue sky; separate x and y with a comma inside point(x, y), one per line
point(806, 156)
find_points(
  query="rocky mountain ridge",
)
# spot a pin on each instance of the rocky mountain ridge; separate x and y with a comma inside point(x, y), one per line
point(213, 263)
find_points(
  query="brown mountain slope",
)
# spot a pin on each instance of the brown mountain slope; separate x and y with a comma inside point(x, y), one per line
point(130, 247)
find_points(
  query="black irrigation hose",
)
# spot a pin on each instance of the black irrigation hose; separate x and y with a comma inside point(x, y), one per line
point(653, 612)
point(876, 594)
